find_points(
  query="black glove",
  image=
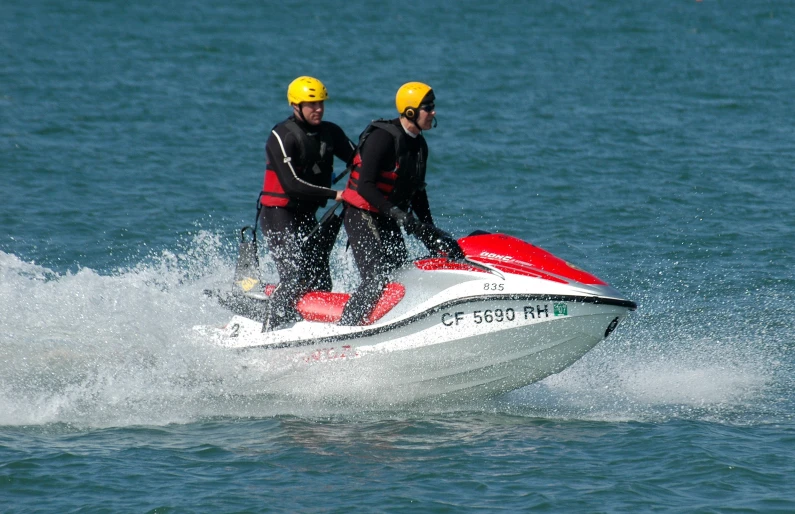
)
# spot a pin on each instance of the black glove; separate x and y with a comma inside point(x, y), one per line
point(405, 220)
point(450, 246)
point(437, 240)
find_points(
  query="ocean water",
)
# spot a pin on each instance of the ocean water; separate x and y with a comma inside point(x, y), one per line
point(650, 143)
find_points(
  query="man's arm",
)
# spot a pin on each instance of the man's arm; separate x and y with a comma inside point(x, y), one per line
point(378, 154)
point(283, 154)
point(421, 207)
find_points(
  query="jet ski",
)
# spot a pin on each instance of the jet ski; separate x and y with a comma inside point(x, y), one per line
point(505, 316)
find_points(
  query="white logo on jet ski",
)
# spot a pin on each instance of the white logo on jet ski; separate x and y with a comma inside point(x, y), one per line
point(496, 256)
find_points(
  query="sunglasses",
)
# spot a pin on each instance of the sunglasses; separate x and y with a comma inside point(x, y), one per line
point(428, 107)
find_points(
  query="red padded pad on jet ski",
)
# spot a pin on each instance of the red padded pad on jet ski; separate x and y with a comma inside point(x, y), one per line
point(327, 307)
point(322, 306)
point(393, 293)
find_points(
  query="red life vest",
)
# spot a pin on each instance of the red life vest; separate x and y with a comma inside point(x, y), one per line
point(312, 155)
point(385, 182)
point(273, 194)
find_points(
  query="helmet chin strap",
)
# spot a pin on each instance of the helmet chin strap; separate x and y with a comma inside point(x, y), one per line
point(413, 119)
point(301, 114)
point(418, 127)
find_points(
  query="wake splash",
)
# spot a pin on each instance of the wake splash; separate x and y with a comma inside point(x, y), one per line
point(98, 350)
point(706, 366)
point(93, 350)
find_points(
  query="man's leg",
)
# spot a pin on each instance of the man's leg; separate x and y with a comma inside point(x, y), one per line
point(282, 234)
point(317, 252)
point(378, 249)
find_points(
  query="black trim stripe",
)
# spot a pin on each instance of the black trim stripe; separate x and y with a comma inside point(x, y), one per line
point(422, 315)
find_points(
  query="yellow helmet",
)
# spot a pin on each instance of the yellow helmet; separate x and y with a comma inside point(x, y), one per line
point(306, 89)
point(410, 96)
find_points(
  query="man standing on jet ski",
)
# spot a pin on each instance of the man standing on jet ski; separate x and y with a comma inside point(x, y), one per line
point(385, 191)
point(300, 156)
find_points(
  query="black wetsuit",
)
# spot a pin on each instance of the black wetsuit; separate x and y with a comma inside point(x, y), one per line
point(304, 171)
point(375, 237)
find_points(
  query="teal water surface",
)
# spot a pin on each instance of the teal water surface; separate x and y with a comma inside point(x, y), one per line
point(650, 143)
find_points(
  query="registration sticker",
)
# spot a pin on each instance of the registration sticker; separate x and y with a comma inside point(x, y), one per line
point(560, 309)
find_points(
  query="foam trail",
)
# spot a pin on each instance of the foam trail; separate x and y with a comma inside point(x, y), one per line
point(725, 370)
point(87, 348)
point(108, 350)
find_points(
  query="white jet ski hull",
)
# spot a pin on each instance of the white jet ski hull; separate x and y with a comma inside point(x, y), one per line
point(470, 350)
point(511, 315)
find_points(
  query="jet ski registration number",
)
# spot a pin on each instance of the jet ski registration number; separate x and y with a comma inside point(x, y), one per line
point(450, 319)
